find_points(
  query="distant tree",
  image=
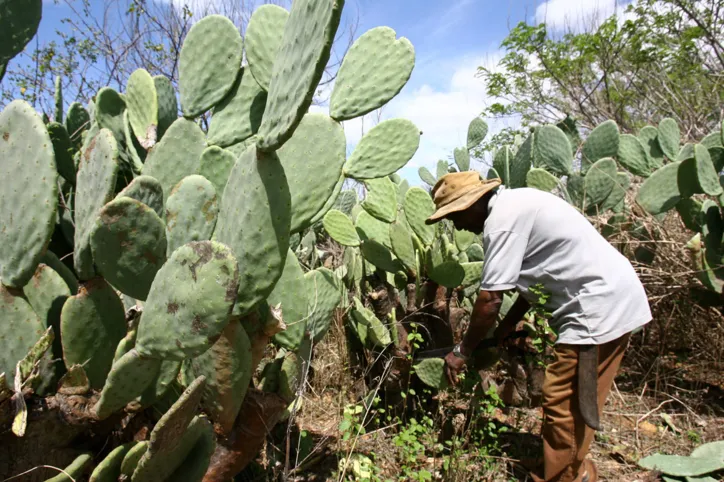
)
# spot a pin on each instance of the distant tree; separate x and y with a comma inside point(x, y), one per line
point(662, 58)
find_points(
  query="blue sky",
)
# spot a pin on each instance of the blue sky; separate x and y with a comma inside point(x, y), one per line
point(451, 39)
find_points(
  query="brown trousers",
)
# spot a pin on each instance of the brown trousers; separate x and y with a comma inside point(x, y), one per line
point(566, 438)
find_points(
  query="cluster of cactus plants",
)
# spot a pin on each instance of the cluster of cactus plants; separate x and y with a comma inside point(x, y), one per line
point(178, 268)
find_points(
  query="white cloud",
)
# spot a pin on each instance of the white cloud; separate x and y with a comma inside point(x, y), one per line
point(577, 15)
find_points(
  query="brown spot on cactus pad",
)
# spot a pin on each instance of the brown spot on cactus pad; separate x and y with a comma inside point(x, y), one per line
point(172, 307)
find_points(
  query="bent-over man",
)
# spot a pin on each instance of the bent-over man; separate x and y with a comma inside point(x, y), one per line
point(531, 237)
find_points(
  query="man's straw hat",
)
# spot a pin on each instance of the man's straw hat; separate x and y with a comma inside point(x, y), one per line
point(458, 191)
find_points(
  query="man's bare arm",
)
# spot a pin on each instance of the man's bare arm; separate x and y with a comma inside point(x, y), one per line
point(482, 319)
point(514, 315)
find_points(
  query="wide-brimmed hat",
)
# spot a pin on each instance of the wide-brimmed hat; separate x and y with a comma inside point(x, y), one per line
point(458, 191)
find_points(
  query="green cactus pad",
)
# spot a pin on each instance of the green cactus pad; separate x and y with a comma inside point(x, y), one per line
point(632, 155)
point(130, 461)
point(77, 121)
point(298, 68)
point(667, 186)
point(383, 150)
point(600, 180)
point(520, 164)
point(704, 272)
point(601, 142)
point(340, 228)
point(291, 293)
point(418, 207)
point(289, 377)
point(92, 324)
point(711, 450)
point(146, 190)
point(129, 377)
point(432, 372)
point(618, 193)
point(254, 221)
point(690, 210)
point(553, 150)
point(462, 158)
point(381, 199)
point(501, 164)
point(477, 130)
point(190, 302)
point(377, 332)
point(63, 151)
point(373, 71)
point(463, 239)
point(142, 104)
point(426, 176)
point(20, 20)
point(110, 109)
point(58, 100)
point(492, 174)
point(227, 367)
point(402, 188)
point(177, 155)
point(215, 165)
point(209, 64)
point(381, 257)
point(191, 212)
point(705, 171)
point(475, 253)
point(129, 246)
point(324, 296)
point(28, 191)
point(333, 202)
point(541, 179)
point(173, 437)
point(442, 168)
point(167, 103)
point(269, 378)
point(402, 246)
point(712, 230)
point(95, 187)
point(52, 260)
point(369, 227)
point(167, 374)
point(313, 157)
point(473, 273)
point(132, 149)
point(19, 331)
point(109, 469)
point(681, 466)
point(264, 34)
point(449, 274)
point(649, 137)
point(197, 461)
point(238, 116)
point(75, 470)
point(686, 152)
point(669, 137)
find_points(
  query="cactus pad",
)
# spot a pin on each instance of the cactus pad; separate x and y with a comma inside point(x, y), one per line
point(167, 103)
point(190, 302)
point(541, 179)
point(377, 332)
point(209, 64)
point(649, 137)
point(63, 151)
point(442, 168)
point(373, 71)
point(28, 191)
point(402, 246)
point(52, 260)
point(77, 121)
point(669, 137)
point(331, 202)
point(109, 469)
point(432, 372)
point(381, 257)
point(601, 142)
point(340, 228)
point(618, 193)
point(680, 466)
point(462, 158)
point(197, 461)
point(313, 157)
point(369, 227)
point(128, 379)
point(632, 155)
point(665, 188)
point(291, 293)
point(130, 461)
point(19, 331)
point(501, 164)
point(289, 377)
point(177, 155)
point(706, 172)
point(600, 180)
point(477, 130)
point(449, 274)
point(711, 450)
point(167, 374)
point(298, 68)
point(473, 273)
point(95, 186)
point(381, 199)
point(129, 245)
point(142, 104)
point(418, 207)
point(227, 367)
point(146, 190)
point(324, 296)
point(520, 164)
point(426, 176)
point(383, 150)
point(254, 220)
point(75, 470)
point(20, 20)
point(215, 165)
point(689, 210)
point(463, 239)
point(238, 116)
point(264, 34)
point(553, 150)
point(91, 326)
point(191, 212)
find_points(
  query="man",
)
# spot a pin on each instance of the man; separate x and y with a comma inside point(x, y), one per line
point(531, 237)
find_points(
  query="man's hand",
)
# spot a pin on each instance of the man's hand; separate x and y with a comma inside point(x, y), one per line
point(453, 366)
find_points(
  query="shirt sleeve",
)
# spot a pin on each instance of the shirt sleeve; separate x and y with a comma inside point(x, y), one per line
point(504, 252)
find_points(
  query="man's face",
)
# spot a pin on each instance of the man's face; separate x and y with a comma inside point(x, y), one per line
point(467, 220)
